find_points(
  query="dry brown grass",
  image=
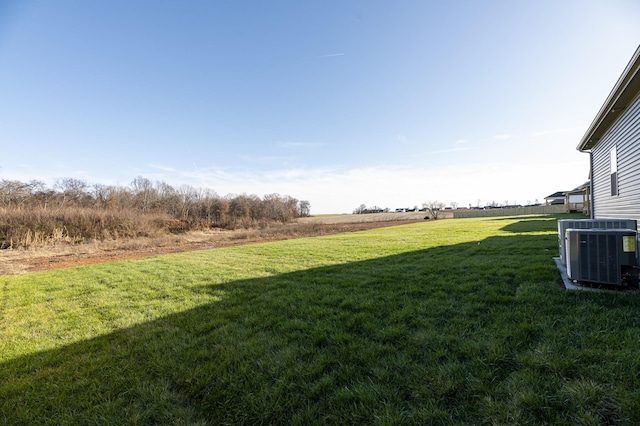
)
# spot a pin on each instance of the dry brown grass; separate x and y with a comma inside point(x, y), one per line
point(40, 227)
point(61, 255)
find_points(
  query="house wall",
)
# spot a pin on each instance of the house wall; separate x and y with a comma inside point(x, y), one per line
point(577, 202)
point(625, 136)
point(576, 198)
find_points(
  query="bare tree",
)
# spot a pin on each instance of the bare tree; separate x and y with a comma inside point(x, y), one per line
point(361, 209)
point(433, 208)
point(13, 192)
point(145, 194)
point(257, 208)
point(188, 196)
point(240, 208)
point(304, 208)
point(220, 211)
point(101, 195)
point(40, 194)
point(73, 191)
point(204, 208)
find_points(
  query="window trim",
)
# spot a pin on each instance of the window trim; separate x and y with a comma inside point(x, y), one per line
point(613, 171)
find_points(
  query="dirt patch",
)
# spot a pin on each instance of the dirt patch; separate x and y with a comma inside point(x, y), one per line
point(67, 256)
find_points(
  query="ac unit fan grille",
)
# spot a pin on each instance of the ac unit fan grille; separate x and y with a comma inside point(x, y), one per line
point(599, 263)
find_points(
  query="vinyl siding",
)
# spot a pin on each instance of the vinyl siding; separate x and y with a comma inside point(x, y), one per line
point(625, 136)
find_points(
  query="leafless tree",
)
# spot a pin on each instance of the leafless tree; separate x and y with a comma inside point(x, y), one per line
point(73, 191)
point(304, 208)
point(360, 209)
point(188, 196)
point(101, 195)
point(240, 209)
point(220, 212)
point(13, 192)
point(433, 208)
point(145, 193)
point(41, 196)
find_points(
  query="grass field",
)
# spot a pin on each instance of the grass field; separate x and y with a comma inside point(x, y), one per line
point(442, 322)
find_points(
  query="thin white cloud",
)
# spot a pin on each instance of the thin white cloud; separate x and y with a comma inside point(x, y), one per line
point(458, 149)
point(458, 146)
point(162, 167)
point(298, 144)
point(330, 55)
point(503, 137)
point(267, 159)
point(558, 131)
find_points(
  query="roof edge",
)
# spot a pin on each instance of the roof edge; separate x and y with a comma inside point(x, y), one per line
point(623, 93)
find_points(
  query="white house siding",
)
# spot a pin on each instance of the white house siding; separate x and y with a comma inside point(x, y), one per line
point(625, 136)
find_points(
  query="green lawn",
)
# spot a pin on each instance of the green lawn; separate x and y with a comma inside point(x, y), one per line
point(447, 322)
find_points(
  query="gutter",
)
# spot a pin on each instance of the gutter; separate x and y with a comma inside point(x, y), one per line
point(591, 202)
point(623, 93)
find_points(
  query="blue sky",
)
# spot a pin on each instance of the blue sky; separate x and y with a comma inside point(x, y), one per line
point(340, 103)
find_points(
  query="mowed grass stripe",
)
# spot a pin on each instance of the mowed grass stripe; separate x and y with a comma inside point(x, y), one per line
point(453, 321)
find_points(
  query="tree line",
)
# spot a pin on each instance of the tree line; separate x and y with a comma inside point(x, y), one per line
point(35, 208)
point(183, 203)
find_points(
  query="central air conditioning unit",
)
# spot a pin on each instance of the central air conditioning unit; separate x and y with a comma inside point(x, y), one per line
point(565, 224)
point(602, 256)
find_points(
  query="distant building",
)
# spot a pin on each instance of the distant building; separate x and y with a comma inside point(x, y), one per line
point(559, 197)
point(578, 198)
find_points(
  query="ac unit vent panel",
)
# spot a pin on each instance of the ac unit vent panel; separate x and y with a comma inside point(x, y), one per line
point(565, 224)
point(605, 256)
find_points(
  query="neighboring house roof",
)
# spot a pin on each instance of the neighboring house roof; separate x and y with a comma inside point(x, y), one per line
point(556, 198)
point(559, 194)
point(626, 89)
point(580, 189)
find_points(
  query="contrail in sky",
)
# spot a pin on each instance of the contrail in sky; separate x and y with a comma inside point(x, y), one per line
point(331, 55)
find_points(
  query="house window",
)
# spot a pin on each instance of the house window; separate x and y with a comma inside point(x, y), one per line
point(614, 171)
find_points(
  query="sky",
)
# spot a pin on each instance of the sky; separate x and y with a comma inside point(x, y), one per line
point(337, 102)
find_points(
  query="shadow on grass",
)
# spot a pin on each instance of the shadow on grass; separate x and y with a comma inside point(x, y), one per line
point(529, 217)
point(468, 333)
point(532, 225)
point(539, 223)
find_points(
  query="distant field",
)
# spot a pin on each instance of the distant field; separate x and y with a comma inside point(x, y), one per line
point(64, 255)
point(437, 322)
point(354, 218)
